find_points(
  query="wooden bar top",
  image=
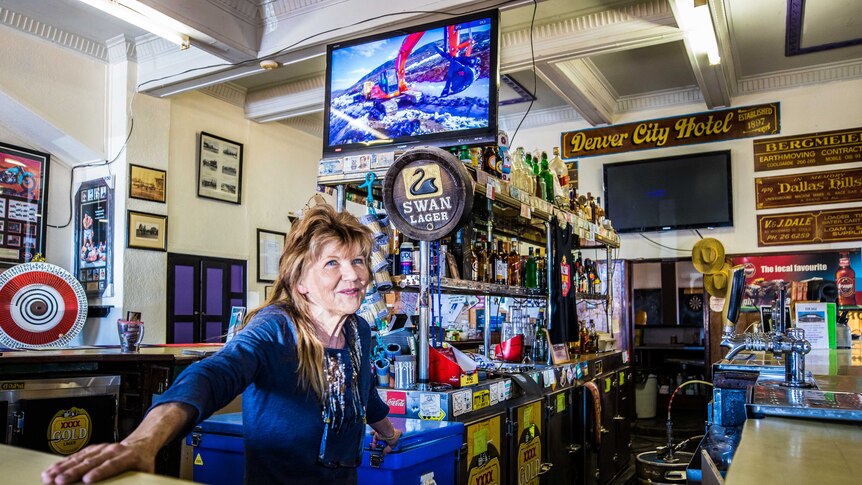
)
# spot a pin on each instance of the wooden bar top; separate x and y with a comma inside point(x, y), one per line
point(178, 353)
point(795, 451)
point(22, 466)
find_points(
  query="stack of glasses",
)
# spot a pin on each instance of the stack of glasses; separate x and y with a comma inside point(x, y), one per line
point(373, 308)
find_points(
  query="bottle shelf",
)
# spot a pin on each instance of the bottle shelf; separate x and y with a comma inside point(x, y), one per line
point(466, 287)
point(639, 327)
point(669, 347)
point(591, 297)
point(591, 235)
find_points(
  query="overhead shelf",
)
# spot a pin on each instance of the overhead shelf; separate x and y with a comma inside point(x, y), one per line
point(467, 287)
point(590, 235)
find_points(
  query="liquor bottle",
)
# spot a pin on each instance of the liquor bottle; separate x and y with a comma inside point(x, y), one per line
point(594, 338)
point(845, 278)
point(473, 275)
point(529, 177)
point(578, 272)
point(600, 212)
point(514, 264)
point(547, 178)
point(394, 250)
point(475, 157)
point(541, 346)
point(491, 275)
point(541, 270)
point(558, 166)
point(592, 202)
point(490, 161)
point(405, 255)
point(583, 338)
point(530, 276)
point(504, 161)
point(481, 263)
point(501, 267)
point(464, 156)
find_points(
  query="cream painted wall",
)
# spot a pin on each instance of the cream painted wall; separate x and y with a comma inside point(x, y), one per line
point(278, 177)
point(65, 88)
point(803, 110)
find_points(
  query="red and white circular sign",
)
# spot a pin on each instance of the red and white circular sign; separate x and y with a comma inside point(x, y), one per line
point(41, 306)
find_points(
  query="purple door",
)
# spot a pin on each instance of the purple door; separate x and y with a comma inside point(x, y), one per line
point(201, 292)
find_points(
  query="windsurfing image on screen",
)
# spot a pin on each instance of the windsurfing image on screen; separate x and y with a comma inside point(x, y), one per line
point(412, 85)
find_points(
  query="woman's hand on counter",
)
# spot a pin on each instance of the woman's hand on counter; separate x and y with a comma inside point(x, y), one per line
point(135, 453)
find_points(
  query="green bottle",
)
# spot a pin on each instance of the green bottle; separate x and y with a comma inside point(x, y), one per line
point(548, 179)
point(464, 156)
point(530, 276)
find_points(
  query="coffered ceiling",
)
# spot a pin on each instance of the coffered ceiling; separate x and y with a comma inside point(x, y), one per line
point(594, 59)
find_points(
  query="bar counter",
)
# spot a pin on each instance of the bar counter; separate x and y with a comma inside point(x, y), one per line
point(788, 451)
point(22, 466)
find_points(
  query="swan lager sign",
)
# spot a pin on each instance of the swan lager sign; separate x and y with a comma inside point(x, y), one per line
point(428, 193)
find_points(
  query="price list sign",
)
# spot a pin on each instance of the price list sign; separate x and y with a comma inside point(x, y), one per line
point(811, 227)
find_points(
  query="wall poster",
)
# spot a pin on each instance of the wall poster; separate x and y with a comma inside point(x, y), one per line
point(765, 273)
point(23, 203)
point(94, 236)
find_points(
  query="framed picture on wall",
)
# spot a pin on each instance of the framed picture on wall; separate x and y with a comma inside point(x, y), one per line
point(269, 247)
point(23, 202)
point(219, 169)
point(147, 183)
point(147, 231)
point(94, 235)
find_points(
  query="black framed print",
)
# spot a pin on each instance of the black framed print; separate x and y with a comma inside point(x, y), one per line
point(219, 169)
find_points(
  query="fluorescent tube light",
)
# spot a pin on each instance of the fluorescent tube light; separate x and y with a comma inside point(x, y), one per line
point(145, 17)
point(698, 27)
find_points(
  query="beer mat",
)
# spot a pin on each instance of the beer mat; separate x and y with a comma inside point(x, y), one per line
point(200, 352)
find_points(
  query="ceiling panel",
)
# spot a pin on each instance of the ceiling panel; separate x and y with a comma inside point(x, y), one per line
point(757, 31)
point(74, 17)
point(648, 69)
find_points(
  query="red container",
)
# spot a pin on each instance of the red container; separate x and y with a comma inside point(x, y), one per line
point(443, 368)
point(512, 350)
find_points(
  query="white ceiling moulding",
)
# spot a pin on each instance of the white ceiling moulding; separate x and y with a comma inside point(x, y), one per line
point(286, 100)
point(834, 72)
point(82, 45)
point(227, 92)
point(659, 99)
point(539, 118)
point(580, 84)
point(639, 25)
point(145, 17)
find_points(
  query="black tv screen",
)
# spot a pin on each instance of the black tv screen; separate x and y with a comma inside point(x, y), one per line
point(685, 192)
point(424, 84)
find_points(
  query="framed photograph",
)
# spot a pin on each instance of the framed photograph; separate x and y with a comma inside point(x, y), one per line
point(94, 235)
point(147, 231)
point(23, 198)
point(147, 183)
point(219, 169)
point(269, 247)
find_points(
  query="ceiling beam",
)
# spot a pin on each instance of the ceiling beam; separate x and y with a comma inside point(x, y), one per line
point(580, 84)
point(711, 79)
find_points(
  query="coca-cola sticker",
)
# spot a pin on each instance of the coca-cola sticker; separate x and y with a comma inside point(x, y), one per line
point(397, 402)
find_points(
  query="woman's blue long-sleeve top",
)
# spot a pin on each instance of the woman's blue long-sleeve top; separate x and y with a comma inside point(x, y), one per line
point(282, 425)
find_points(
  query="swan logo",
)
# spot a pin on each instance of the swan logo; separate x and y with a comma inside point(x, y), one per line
point(424, 182)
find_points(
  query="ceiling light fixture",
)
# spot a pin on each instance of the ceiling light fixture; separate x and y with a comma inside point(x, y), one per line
point(698, 27)
point(145, 17)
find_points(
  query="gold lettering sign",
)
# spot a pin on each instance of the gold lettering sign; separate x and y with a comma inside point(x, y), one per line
point(809, 189)
point(812, 227)
point(808, 150)
point(69, 431)
point(710, 126)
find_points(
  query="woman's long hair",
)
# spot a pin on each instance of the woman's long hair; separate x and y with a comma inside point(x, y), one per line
point(319, 226)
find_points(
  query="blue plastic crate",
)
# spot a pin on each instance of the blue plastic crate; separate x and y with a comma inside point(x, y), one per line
point(425, 447)
point(219, 457)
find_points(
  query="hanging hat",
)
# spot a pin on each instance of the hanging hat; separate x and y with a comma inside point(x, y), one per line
point(716, 283)
point(708, 255)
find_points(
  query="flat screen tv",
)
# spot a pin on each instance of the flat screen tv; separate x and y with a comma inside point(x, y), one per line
point(684, 192)
point(433, 84)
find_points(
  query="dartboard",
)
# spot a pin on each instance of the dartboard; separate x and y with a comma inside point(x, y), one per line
point(41, 306)
point(695, 303)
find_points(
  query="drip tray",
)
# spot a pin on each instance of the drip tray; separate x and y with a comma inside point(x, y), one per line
point(775, 400)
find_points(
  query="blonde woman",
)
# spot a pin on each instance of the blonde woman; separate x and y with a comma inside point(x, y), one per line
point(302, 362)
